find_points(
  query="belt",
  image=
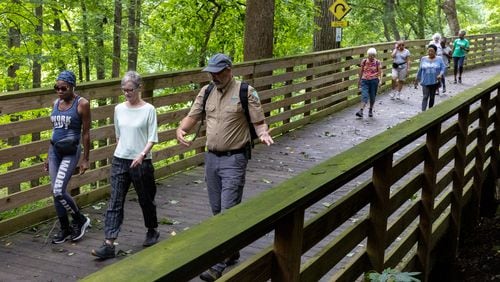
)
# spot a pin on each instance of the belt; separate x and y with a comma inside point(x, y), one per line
point(228, 153)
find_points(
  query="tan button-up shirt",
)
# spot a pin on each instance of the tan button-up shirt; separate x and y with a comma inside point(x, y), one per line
point(227, 127)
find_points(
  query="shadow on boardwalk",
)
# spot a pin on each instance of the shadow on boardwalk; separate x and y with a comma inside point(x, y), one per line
point(182, 200)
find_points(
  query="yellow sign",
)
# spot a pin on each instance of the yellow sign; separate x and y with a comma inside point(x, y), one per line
point(339, 9)
point(340, 23)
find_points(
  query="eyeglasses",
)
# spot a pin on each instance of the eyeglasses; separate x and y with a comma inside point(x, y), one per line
point(62, 88)
point(128, 90)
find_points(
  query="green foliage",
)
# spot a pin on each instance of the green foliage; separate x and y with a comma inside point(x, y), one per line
point(179, 34)
point(392, 275)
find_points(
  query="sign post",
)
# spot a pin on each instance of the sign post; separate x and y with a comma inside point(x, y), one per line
point(339, 9)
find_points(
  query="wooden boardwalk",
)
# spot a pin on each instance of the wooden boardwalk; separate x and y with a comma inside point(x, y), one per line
point(182, 200)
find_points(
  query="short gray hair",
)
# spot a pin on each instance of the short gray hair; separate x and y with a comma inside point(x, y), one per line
point(371, 51)
point(133, 77)
point(436, 36)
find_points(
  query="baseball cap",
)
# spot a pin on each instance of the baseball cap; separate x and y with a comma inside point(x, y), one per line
point(218, 63)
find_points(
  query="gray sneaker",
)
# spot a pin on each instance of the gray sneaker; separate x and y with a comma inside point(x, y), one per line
point(105, 251)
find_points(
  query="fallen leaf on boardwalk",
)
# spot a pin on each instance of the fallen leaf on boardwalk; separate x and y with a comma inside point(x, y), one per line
point(197, 181)
point(122, 253)
point(70, 254)
point(173, 233)
point(318, 172)
point(326, 204)
point(266, 181)
point(8, 244)
point(173, 202)
point(166, 221)
point(350, 254)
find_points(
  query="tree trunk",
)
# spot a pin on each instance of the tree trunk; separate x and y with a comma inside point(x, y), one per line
point(37, 67)
point(420, 20)
point(324, 35)
point(100, 64)
point(13, 43)
point(134, 15)
point(57, 43)
point(450, 10)
point(85, 40)
point(259, 30)
point(208, 32)
point(117, 45)
point(390, 19)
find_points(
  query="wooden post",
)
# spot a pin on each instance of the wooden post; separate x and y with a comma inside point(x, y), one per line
point(288, 247)
point(480, 158)
point(428, 196)
point(379, 212)
point(288, 95)
point(450, 253)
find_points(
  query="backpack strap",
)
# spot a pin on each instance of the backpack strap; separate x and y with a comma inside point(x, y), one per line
point(244, 105)
point(208, 90)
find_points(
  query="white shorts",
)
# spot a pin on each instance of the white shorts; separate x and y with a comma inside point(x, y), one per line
point(399, 73)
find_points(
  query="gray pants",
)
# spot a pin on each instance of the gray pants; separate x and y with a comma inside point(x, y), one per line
point(225, 178)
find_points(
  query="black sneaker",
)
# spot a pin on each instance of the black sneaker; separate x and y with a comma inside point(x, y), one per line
point(210, 275)
point(459, 80)
point(79, 228)
point(151, 237)
point(105, 251)
point(370, 113)
point(61, 236)
point(359, 113)
point(233, 259)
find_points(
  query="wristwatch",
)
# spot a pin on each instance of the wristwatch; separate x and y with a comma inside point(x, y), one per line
point(143, 154)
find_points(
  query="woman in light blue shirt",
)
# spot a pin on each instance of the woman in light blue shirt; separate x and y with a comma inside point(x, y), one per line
point(429, 74)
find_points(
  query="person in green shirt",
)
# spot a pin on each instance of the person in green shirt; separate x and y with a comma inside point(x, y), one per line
point(460, 49)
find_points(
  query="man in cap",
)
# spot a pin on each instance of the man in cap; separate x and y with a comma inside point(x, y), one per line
point(228, 138)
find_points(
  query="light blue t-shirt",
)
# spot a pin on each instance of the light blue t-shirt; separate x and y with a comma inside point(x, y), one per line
point(134, 128)
point(429, 70)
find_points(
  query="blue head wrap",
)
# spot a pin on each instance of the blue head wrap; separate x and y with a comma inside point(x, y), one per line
point(67, 76)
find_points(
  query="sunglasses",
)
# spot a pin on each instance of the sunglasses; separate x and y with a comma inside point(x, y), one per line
point(126, 90)
point(62, 88)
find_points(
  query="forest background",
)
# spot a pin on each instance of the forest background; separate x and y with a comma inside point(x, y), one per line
point(102, 39)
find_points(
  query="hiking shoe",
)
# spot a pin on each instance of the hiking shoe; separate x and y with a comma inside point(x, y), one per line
point(392, 94)
point(151, 237)
point(79, 228)
point(210, 275)
point(398, 96)
point(455, 82)
point(459, 80)
point(61, 236)
point(444, 90)
point(370, 113)
point(233, 259)
point(359, 113)
point(105, 251)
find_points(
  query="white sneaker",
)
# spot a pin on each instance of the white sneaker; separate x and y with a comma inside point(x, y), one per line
point(392, 94)
point(399, 96)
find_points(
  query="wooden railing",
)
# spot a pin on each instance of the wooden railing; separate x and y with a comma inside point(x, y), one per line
point(422, 181)
point(300, 89)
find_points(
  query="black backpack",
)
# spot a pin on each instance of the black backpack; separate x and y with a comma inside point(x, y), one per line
point(244, 104)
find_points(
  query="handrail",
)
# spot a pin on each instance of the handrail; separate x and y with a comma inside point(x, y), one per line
point(300, 89)
point(419, 197)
